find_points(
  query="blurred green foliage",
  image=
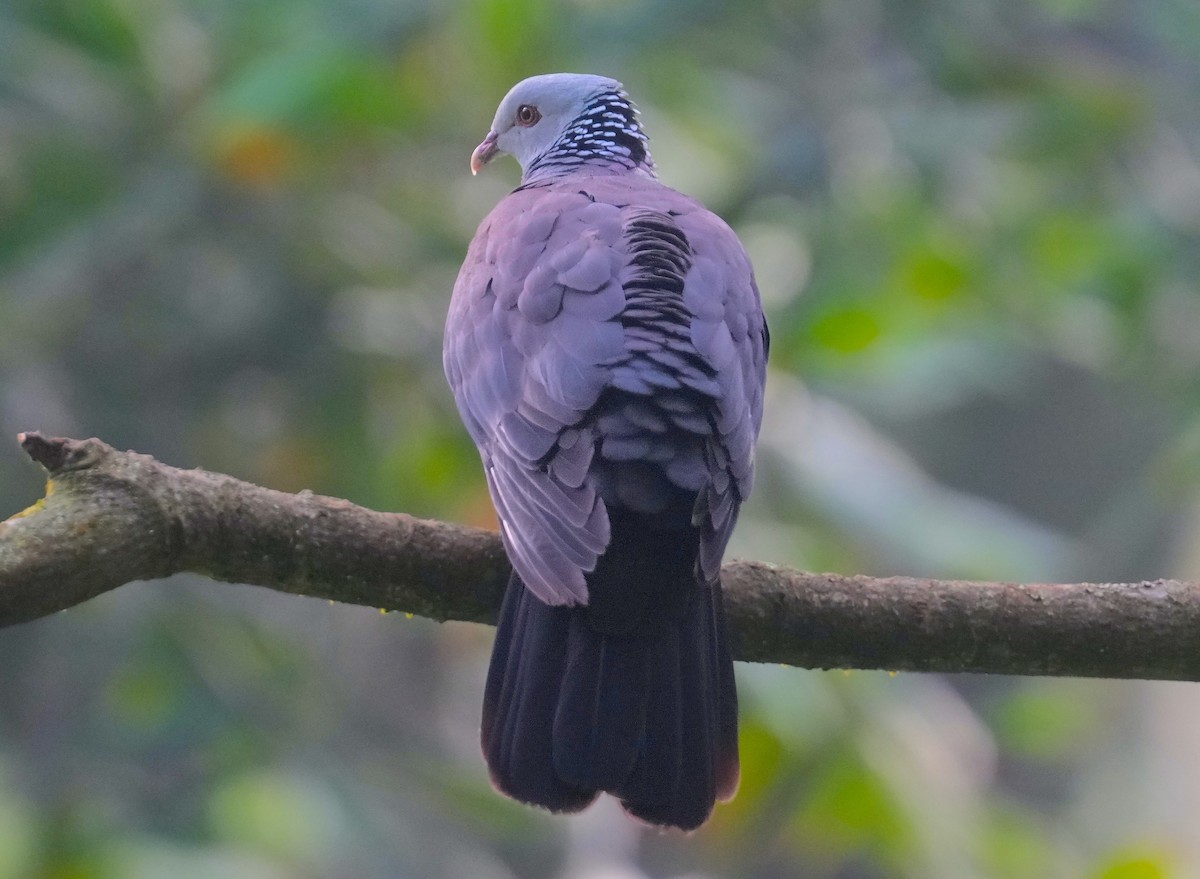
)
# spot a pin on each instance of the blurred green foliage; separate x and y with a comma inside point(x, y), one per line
point(228, 232)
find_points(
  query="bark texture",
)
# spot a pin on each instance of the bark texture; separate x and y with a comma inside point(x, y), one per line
point(110, 517)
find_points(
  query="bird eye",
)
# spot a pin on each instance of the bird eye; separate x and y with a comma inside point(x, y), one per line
point(527, 115)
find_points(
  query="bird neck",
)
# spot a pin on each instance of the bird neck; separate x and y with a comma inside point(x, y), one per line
point(605, 137)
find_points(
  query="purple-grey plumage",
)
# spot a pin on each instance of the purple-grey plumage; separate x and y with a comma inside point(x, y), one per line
point(607, 351)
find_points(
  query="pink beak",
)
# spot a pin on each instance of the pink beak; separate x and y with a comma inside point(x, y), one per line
point(485, 152)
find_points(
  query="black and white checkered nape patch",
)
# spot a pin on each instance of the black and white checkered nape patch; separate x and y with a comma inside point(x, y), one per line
point(606, 133)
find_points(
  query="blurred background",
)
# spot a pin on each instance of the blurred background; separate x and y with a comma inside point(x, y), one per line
point(228, 234)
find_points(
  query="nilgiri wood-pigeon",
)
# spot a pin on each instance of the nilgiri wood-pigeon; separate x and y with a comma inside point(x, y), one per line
point(607, 350)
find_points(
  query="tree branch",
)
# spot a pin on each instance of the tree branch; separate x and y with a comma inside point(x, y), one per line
point(110, 517)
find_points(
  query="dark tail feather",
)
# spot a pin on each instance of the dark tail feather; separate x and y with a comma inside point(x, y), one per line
point(520, 699)
point(602, 707)
point(633, 694)
point(729, 767)
point(694, 725)
point(656, 779)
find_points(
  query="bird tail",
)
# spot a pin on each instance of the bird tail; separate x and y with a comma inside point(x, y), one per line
point(616, 696)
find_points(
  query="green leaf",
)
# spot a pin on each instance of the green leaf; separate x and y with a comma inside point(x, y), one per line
point(1136, 865)
point(1044, 721)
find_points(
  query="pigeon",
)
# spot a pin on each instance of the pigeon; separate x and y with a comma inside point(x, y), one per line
point(607, 350)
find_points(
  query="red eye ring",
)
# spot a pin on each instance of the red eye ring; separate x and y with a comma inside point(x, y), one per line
point(527, 115)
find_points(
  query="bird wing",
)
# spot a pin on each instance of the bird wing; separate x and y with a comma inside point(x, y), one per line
point(730, 333)
point(544, 318)
point(531, 321)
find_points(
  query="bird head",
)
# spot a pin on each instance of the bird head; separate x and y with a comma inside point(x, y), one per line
point(545, 113)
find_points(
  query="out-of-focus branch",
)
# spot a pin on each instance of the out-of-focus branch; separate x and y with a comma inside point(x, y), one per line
point(110, 517)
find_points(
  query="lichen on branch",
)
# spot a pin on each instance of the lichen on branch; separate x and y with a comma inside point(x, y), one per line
point(111, 517)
